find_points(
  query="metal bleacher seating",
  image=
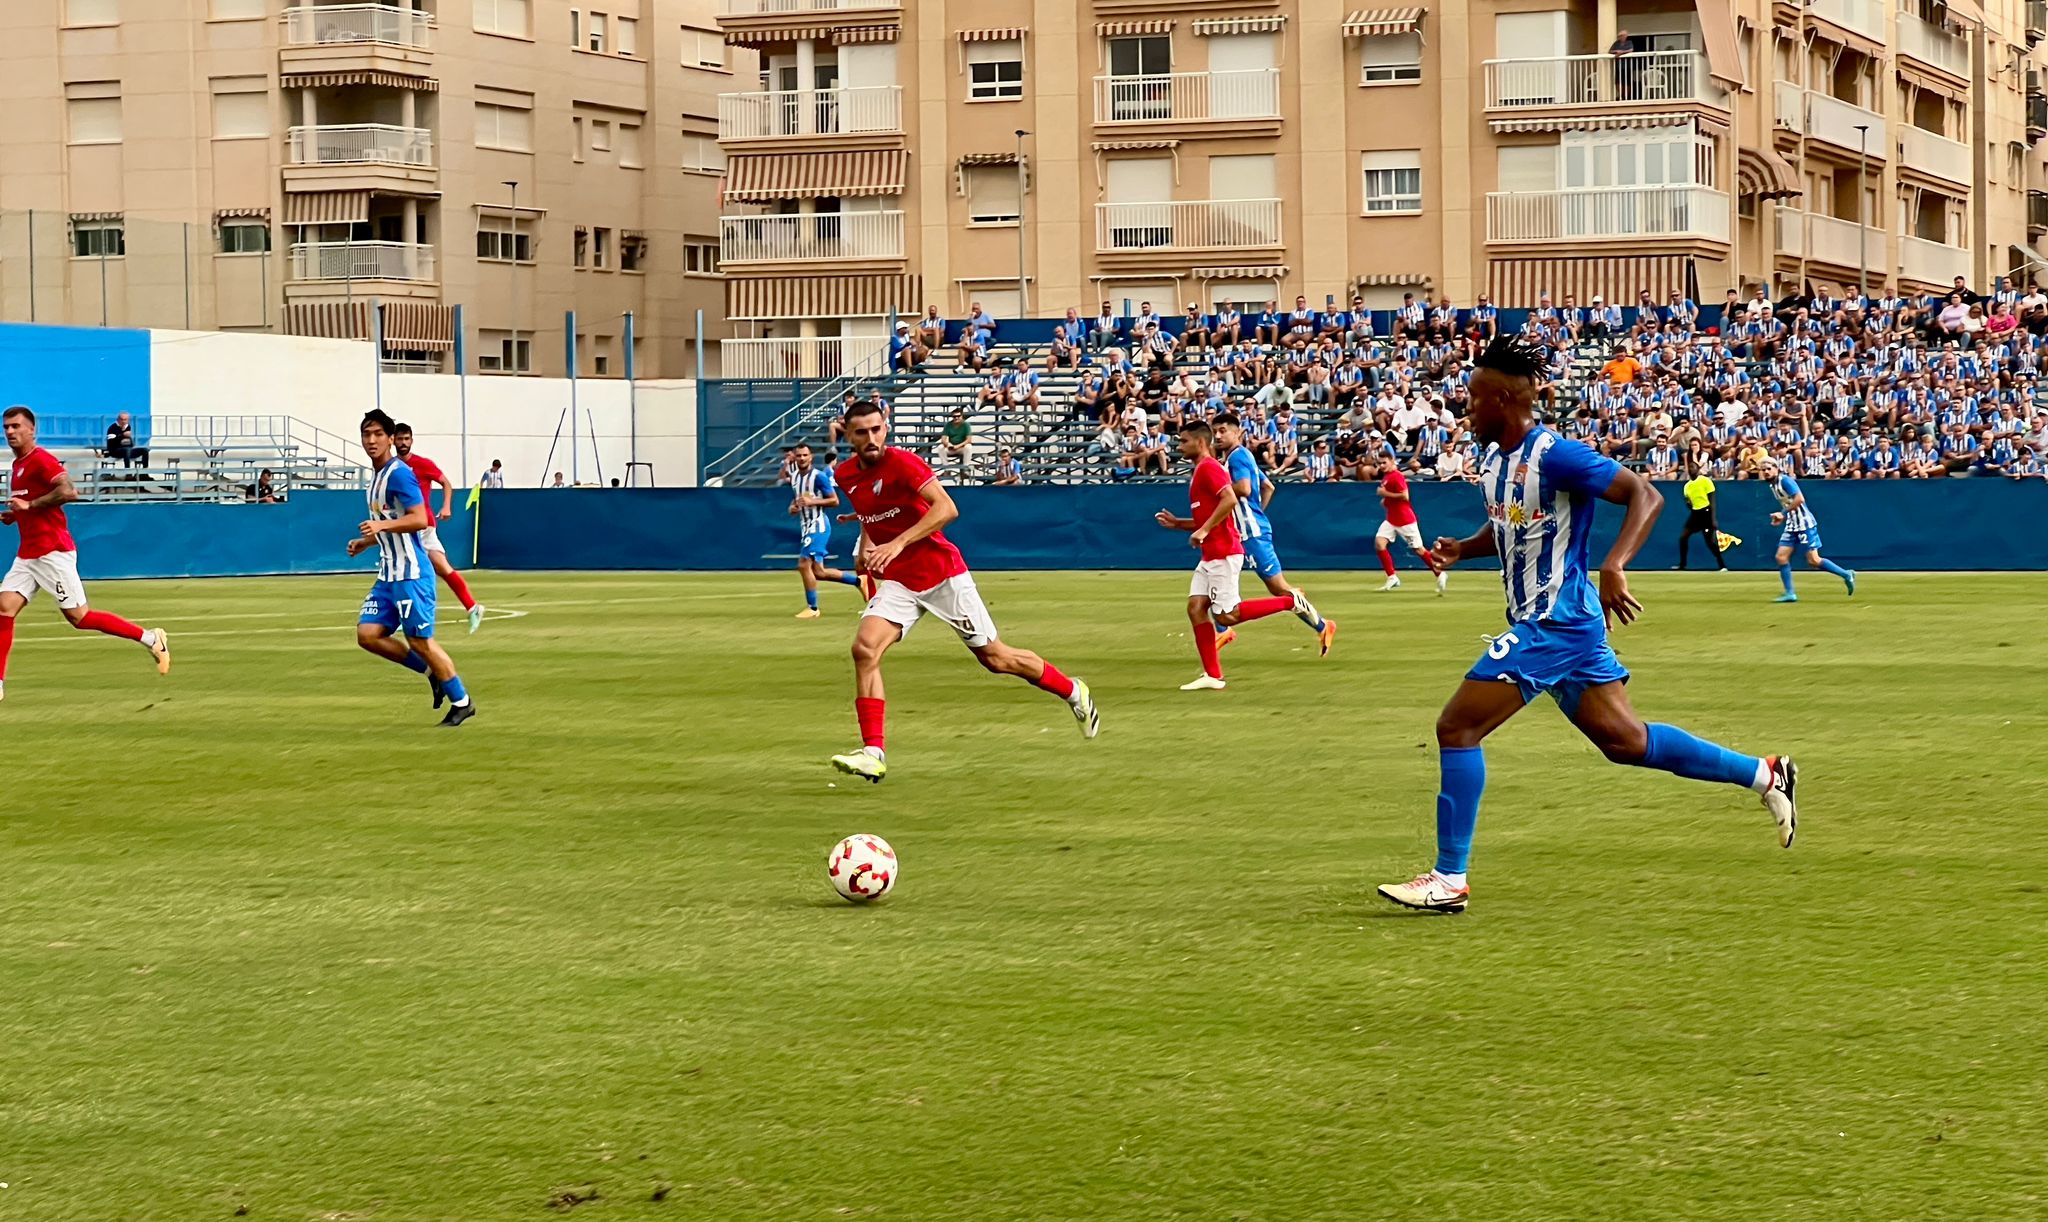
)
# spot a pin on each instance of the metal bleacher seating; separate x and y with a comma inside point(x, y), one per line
point(200, 458)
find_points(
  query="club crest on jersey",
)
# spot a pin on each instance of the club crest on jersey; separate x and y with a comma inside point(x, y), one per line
point(1516, 514)
point(876, 488)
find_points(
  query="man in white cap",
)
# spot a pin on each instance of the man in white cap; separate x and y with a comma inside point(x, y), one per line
point(905, 352)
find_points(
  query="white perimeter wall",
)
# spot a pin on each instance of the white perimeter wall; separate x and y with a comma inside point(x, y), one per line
point(331, 383)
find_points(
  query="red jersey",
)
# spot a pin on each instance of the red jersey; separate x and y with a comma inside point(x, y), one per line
point(886, 498)
point(42, 530)
point(428, 475)
point(1399, 513)
point(1204, 491)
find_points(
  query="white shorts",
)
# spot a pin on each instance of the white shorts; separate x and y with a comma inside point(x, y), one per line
point(1410, 534)
point(954, 600)
point(430, 538)
point(1216, 580)
point(56, 572)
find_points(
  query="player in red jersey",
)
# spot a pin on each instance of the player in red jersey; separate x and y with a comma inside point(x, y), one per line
point(903, 508)
point(430, 474)
point(1212, 595)
point(1400, 524)
point(37, 491)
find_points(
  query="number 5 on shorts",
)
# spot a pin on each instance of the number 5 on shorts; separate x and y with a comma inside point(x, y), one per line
point(1501, 644)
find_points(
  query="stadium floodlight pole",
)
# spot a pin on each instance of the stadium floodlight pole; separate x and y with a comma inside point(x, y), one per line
point(512, 275)
point(1023, 294)
point(1862, 205)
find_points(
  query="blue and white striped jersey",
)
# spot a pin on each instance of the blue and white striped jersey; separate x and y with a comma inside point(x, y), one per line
point(1250, 512)
point(816, 482)
point(395, 492)
point(1797, 517)
point(1539, 498)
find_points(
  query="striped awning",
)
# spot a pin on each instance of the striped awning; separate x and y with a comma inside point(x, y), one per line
point(1124, 146)
point(328, 319)
point(327, 208)
point(1005, 34)
point(1126, 29)
point(1521, 283)
point(91, 217)
point(242, 214)
point(847, 35)
point(767, 177)
point(765, 38)
point(418, 326)
point(1375, 280)
point(1241, 25)
point(1966, 12)
point(823, 297)
point(325, 80)
point(1589, 122)
point(1257, 271)
point(1764, 173)
point(1366, 22)
point(973, 159)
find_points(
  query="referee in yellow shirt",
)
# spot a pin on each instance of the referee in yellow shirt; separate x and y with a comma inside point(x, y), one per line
point(1699, 518)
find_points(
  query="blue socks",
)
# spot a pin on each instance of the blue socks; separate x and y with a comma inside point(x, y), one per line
point(413, 661)
point(852, 579)
point(1836, 569)
point(456, 692)
point(1674, 751)
point(1457, 805)
point(1785, 575)
point(811, 599)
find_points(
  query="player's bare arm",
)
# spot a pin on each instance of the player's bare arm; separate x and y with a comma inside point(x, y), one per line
point(1267, 489)
point(1170, 521)
point(1642, 502)
point(447, 500)
point(940, 512)
point(61, 493)
point(1475, 547)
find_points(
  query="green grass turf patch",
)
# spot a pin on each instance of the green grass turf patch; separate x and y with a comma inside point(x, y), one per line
point(271, 941)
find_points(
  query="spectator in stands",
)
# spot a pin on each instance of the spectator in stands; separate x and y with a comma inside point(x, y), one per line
point(1408, 319)
point(1103, 332)
point(1485, 320)
point(265, 492)
point(1008, 470)
point(2027, 465)
point(994, 391)
point(1077, 329)
point(1149, 452)
point(1229, 329)
point(956, 441)
point(1064, 351)
point(974, 346)
point(1454, 463)
point(1622, 368)
point(1147, 319)
point(982, 323)
point(1023, 384)
point(904, 352)
point(1088, 394)
point(121, 445)
point(1194, 329)
point(1953, 314)
point(1285, 451)
point(1157, 349)
point(495, 477)
point(558, 481)
point(1301, 325)
point(1266, 331)
point(1108, 442)
point(931, 330)
point(1172, 414)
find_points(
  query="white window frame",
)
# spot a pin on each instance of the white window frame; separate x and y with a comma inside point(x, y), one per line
point(1384, 162)
point(632, 150)
point(82, 14)
point(594, 30)
point(243, 224)
point(601, 248)
point(989, 55)
point(236, 10)
point(1384, 59)
point(262, 102)
point(695, 146)
point(104, 103)
point(491, 127)
point(503, 18)
point(626, 37)
point(990, 215)
point(694, 55)
point(505, 234)
point(512, 355)
point(700, 256)
point(119, 228)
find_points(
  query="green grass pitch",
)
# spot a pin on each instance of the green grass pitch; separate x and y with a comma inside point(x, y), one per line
point(270, 942)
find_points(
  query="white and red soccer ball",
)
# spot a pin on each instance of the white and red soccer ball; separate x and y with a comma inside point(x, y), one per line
point(862, 868)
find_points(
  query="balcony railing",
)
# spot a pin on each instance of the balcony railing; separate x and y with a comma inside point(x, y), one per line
point(1207, 224)
point(1866, 17)
point(1829, 239)
point(810, 112)
point(1250, 93)
point(1934, 154)
point(2037, 114)
point(317, 26)
point(361, 261)
point(827, 357)
point(2037, 20)
point(1607, 212)
point(1831, 119)
point(760, 8)
point(1597, 80)
point(362, 144)
point(786, 237)
point(2037, 209)
point(1930, 44)
point(1934, 262)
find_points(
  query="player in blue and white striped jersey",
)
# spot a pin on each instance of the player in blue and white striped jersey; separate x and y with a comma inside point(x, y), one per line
point(1254, 489)
point(402, 600)
point(813, 493)
point(1801, 531)
point(1540, 491)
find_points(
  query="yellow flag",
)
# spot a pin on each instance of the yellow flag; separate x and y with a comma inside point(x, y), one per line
point(476, 496)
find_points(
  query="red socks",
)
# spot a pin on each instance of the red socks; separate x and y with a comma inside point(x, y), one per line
point(1429, 558)
point(1055, 682)
point(461, 588)
point(6, 641)
point(1387, 561)
point(109, 623)
point(1205, 644)
point(869, 713)
point(1259, 608)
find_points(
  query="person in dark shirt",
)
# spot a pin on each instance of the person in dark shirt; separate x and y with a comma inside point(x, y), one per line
point(121, 443)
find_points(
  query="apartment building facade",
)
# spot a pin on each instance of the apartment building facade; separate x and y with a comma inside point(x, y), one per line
point(360, 169)
point(1038, 154)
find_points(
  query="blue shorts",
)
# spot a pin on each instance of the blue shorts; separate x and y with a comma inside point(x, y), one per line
point(1260, 557)
point(1562, 658)
point(815, 545)
point(402, 606)
point(1807, 540)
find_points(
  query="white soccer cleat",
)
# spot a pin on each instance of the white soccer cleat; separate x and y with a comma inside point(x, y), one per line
point(1781, 798)
point(1203, 683)
point(1085, 712)
point(1443, 578)
point(1428, 893)
point(863, 764)
point(809, 613)
point(476, 618)
point(1393, 583)
point(1301, 603)
point(160, 649)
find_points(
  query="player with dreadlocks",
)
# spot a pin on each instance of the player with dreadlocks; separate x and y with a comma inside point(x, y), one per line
point(1540, 492)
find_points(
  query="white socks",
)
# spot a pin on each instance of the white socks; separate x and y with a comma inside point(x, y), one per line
point(1453, 880)
point(1762, 781)
point(874, 751)
point(149, 638)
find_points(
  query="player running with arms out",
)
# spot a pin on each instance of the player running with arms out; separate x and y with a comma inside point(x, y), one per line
point(1802, 532)
point(1212, 595)
point(1254, 491)
point(1540, 492)
point(402, 600)
point(903, 509)
point(428, 474)
point(813, 494)
point(38, 490)
point(1400, 524)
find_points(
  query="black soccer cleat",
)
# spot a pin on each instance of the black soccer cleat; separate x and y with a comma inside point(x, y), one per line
point(459, 713)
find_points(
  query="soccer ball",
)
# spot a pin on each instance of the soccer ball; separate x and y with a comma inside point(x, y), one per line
point(862, 868)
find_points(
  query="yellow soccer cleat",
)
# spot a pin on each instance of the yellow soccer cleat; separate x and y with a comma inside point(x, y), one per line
point(160, 649)
point(809, 613)
point(1083, 704)
point(863, 764)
